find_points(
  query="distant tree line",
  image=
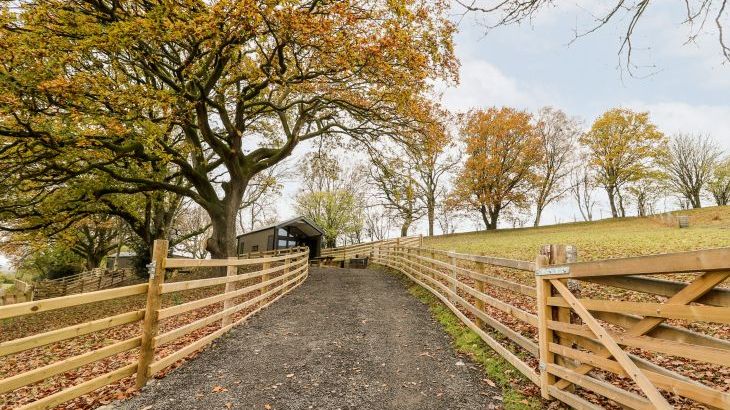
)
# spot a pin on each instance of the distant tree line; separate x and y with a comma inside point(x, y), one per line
point(504, 165)
point(520, 163)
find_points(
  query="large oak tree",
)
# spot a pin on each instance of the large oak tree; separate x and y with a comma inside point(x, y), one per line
point(503, 152)
point(193, 98)
point(623, 148)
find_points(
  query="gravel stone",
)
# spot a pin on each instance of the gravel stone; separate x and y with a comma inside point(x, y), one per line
point(345, 339)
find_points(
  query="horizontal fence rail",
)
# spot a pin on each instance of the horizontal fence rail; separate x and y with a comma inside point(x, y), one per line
point(155, 325)
point(342, 253)
point(89, 281)
point(609, 328)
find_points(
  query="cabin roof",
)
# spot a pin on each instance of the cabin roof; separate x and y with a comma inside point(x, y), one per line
point(303, 223)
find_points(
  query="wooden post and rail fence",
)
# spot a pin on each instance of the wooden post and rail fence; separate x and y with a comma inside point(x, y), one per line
point(229, 300)
point(21, 291)
point(343, 253)
point(89, 281)
point(565, 334)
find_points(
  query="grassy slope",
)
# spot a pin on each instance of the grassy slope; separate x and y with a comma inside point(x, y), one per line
point(709, 228)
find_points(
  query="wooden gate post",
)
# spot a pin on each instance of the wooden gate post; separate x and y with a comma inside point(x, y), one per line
point(231, 270)
point(559, 255)
point(552, 255)
point(543, 290)
point(151, 322)
point(452, 274)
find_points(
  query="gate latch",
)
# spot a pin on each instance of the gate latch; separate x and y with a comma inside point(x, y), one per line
point(151, 268)
point(557, 270)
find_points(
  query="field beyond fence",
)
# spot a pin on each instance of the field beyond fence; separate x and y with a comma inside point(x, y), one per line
point(57, 350)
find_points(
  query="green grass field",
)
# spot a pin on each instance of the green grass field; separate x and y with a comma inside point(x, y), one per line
point(608, 238)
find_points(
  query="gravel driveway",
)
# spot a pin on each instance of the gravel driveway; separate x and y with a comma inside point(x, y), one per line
point(346, 339)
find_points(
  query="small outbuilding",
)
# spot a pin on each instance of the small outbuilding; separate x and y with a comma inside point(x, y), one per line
point(299, 231)
point(125, 260)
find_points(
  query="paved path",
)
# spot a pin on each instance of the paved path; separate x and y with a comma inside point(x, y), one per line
point(345, 339)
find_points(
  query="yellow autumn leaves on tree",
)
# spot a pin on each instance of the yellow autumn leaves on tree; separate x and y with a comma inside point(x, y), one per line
point(623, 147)
point(514, 158)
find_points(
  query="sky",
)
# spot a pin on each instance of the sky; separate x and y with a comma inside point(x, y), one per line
point(532, 65)
point(685, 87)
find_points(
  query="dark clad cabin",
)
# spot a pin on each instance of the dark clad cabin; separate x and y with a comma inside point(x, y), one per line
point(126, 260)
point(299, 231)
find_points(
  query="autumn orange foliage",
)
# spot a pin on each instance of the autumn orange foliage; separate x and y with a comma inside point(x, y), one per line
point(503, 150)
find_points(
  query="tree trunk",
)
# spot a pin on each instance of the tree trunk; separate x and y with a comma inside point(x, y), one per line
point(94, 259)
point(431, 216)
point(696, 202)
point(490, 217)
point(485, 216)
point(494, 217)
point(538, 215)
point(404, 227)
point(222, 242)
point(621, 204)
point(610, 190)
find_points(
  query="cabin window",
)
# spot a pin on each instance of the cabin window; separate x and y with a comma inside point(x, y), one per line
point(254, 248)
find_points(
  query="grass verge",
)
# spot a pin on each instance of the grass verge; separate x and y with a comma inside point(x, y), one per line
point(467, 342)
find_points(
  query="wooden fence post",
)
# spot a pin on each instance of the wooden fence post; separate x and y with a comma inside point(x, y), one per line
point(151, 323)
point(452, 273)
point(420, 240)
point(265, 277)
point(409, 258)
point(479, 285)
point(231, 270)
point(543, 290)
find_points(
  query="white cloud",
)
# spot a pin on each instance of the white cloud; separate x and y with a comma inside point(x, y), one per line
point(674, 117)
point(482, 84)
